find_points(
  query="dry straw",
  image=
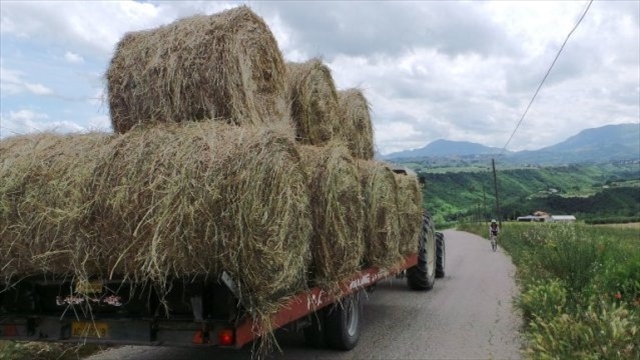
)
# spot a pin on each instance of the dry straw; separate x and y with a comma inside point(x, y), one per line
point(410, 213)
point(225, 66)
point(171, 201)
point(314, 101)
point(381, 231)
point(356, 129)
point(45, 196)
point(337, 211)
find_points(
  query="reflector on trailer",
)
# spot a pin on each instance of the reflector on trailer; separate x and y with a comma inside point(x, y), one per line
point(200, 338)
point(9, 330)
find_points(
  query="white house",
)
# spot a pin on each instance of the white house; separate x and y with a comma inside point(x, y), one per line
point(562, 218)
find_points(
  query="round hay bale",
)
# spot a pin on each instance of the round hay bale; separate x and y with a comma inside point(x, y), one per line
point(45, 196)
point(337, 243)
point(314, 101)
point(225, 66)
point(356, 129)
point(381, 231)
point(176, 200)
point(239, 191)
point(409, 213)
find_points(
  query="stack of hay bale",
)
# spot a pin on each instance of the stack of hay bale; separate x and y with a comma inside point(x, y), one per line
point(224, 158)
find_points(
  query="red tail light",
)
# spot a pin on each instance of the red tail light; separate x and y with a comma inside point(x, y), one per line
point(225, 337)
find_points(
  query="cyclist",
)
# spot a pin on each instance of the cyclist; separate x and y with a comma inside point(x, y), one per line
point(494, 230)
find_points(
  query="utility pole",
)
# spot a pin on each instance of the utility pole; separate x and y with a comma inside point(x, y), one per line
point(495, 185)
point(484, 200)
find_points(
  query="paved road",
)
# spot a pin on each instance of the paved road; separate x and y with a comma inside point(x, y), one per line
point(467, 315)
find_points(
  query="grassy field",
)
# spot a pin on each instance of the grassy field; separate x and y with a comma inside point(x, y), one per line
point(580, 288)
point(588, 191)
point(623, 226)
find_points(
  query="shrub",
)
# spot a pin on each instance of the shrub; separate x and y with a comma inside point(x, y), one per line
point(544, 299)
point(603, 331)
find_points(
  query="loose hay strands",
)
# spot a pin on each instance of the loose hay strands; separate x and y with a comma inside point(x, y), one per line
point(382, 232)
point(226, 66)
point(314, 101)
point(410, 212)
point(337, 243)
point(45, 194)
point(356, 130)
point(169, 201)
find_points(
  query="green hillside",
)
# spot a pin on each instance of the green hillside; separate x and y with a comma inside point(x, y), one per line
point(587, 191)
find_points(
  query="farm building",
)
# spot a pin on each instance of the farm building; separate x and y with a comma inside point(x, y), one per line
point(530, 218)
point(562, 218)
point(546, 218)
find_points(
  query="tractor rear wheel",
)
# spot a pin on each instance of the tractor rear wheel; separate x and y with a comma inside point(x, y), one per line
point(422, 276)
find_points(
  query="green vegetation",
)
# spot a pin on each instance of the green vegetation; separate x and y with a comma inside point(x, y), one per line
point(580, 288)
point(590, 192)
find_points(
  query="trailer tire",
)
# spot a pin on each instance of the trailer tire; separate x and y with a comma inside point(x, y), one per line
point(314, 333)
point(422, 276)
point(440, 255)
point(343, 323)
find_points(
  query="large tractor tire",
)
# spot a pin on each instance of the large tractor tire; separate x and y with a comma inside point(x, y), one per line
point(440, 255)
point(343, 322)
point(423, 275)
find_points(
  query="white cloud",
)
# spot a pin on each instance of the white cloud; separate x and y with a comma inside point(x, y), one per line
point(92, 25)
point(73, 58)
point(100, 123)
point(28, 121)
point(453, 70)
point(38, 89)
point(12, 82)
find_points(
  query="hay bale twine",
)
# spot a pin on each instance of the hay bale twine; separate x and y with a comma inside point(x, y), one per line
point(356, 129)
point(314, 101)
point(176, 200)
point(45, 196)
point(337, 243)
point(410, 211)
point(382, 232)
point(225, 66)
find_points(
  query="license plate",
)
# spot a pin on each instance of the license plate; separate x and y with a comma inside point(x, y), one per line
point(89, 329)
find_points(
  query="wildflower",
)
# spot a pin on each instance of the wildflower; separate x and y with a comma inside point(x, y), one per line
point(618, 295)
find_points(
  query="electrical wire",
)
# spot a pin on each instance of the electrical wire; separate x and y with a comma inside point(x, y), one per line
point(584, 13)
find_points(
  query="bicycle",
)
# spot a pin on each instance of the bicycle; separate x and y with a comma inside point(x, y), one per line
point(494, 242)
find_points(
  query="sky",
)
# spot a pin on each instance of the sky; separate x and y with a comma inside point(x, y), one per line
point(460, 71)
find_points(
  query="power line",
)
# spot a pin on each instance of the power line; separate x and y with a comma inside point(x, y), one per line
point(546, 75)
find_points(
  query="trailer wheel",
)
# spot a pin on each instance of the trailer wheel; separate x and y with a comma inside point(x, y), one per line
point(423, 275)
point(342, 323)
point(440, 255)
point(314, 333)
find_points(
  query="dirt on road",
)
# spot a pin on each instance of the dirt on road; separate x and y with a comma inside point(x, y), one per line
point(469, 314)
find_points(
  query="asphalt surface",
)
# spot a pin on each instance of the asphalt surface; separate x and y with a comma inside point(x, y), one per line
point(467, 315)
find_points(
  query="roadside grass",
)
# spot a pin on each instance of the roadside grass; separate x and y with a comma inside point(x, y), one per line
point(580, 288)
point(24, 350)
point(632, 225)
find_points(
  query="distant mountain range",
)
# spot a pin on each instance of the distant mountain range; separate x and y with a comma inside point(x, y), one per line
point(445, 148)
point(610, 142)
